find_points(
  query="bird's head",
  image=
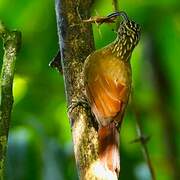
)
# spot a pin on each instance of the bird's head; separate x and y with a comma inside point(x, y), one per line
point(130, 31)
point(127, 28)
point(128, 36)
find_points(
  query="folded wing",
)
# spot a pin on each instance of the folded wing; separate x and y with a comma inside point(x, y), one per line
point(106, 97)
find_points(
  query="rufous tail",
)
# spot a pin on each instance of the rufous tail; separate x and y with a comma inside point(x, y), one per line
point(109, 147)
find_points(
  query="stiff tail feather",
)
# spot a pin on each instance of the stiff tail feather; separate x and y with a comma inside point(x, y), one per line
point(109, 147)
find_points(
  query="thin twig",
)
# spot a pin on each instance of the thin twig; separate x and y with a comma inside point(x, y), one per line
point(163, 88)
point(100, 19)
point(56, 62)
point(11, 41)
point(143, 140)
point(115, 5)
point(116, 8)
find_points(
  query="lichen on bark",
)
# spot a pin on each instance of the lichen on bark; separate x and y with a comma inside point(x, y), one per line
point(11, 43)
point(76, 43)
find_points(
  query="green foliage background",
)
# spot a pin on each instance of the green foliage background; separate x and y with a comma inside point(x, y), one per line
point(40, 145)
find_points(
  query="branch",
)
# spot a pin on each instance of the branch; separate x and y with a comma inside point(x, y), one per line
point(76, 43)
point(163, 89)
point(116, 9)
point(143, 140)
point(11, 41)
point(115, 5)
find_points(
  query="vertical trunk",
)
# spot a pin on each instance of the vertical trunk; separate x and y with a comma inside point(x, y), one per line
point(76, 43)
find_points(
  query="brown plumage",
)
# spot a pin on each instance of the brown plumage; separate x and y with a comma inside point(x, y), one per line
point(107, 79)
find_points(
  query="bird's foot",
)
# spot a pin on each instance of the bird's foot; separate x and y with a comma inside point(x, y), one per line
point(74, 104)
point(78, 102)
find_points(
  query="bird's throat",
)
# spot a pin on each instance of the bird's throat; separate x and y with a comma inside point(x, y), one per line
point(122, 49)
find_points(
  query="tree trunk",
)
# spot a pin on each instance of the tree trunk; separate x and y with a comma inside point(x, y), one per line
point(76, 43)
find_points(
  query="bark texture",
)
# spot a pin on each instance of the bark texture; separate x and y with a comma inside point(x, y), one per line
point(76, 43)
point(11, 41)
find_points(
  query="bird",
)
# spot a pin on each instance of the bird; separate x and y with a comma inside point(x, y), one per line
point(107, 79)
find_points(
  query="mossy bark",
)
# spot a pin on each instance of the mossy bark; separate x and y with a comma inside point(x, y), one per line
point(76, 43)
point(11, 41)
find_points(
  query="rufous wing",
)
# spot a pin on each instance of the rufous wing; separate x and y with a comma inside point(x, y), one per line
point(106, 97)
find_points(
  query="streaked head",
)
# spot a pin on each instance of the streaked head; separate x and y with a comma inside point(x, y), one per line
point(128, 36)
point(129, 29)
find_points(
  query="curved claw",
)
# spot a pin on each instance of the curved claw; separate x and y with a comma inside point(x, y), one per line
point(80, 102)
point(74, 103)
